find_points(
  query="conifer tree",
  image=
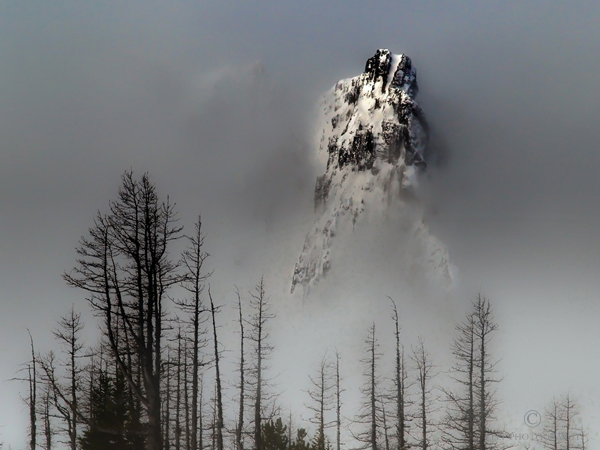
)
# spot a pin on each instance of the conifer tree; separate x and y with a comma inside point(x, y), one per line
point(108, 410)
point(274, 435)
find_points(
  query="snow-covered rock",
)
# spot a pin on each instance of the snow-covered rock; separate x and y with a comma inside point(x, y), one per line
point(373, 145)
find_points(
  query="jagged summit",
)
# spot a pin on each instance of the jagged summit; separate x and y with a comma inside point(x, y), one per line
point(404, 76)
point(369, 118)
point(373, 144)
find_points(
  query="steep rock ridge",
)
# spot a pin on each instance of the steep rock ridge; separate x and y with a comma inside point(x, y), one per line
point(373, 144)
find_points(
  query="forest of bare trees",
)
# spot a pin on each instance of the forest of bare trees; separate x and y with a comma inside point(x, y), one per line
point(156, 378)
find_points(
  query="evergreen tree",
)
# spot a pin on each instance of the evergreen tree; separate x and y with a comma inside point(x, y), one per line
point(109, 416)
point(302, 441)
point(274, 435)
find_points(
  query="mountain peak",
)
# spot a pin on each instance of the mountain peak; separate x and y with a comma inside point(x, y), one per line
point(383, 65)
point(379, 65)
point(368, 118)
point(373, 142)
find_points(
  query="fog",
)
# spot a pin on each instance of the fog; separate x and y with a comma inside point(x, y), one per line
point(216, 101)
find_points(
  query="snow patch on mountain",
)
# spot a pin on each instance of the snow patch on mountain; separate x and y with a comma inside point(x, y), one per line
point(373, 146)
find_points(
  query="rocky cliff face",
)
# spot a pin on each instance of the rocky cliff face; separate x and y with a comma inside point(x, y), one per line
point(375, 117)
point(373, 144)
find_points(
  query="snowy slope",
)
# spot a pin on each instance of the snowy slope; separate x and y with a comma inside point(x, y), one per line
point(373, 144)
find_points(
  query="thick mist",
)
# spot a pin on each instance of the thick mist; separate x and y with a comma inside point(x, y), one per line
point(216, 101)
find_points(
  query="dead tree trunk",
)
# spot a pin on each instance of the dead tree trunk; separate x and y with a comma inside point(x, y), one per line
point(425, 374)
point(193, 260)
point(321, 401)
point(369, 416)
point(400, 378)
point(338, 402)
point(32, 375)
point(124, 264)
point(69, 336)
point(218, 393)
point(240, 425)
point(259, 335)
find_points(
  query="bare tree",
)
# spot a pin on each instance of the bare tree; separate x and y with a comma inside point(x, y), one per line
point(400, 385)
point(46, 418)
point(186, 396)
point(200, 417)
point(31, 378)
point(571, 412)
point(65, 392)
point(369, 415)
point(583, 438)
point(242, 383)
point(321, 395)
point(485, 326)
point(338, 401)
point(218, 393)
point(471, 408)
point(125, 266)
point(259, 335)
point(553, 418)
point(167, 400)
point(425, 373)
point(290, 427)
point(193, 261)
point(32, 400)
point(460, 431)
point(59, 395)
point(69, 334)
point(563, 429)
point(385, 426)
point(178, 388)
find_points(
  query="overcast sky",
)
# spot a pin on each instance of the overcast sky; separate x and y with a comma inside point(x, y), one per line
point(215, 100)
